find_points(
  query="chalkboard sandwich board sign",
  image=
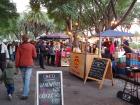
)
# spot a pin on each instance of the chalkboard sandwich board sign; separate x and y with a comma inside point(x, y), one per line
point(100, 69)
point(49, 88)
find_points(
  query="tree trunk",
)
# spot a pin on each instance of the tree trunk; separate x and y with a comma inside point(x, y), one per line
point(69, 24)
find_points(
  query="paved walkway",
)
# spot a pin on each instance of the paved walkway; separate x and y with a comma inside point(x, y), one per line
point(75, 92)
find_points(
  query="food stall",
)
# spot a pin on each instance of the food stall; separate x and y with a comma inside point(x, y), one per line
point(120, 58)
point(65, 53)
point(78, 63)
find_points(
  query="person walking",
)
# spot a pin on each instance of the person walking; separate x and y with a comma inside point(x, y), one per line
point(52, 53)
point(24, 61)
point(8, 79)
point(4, 55)
point(11, 49)
point(48, 53)
point(42, 51)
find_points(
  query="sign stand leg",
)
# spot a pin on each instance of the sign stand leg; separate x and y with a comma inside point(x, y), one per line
point(101, 84)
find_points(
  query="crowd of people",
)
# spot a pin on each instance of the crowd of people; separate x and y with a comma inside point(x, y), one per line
point(109, 47)
point(15, 57)
point(24, 54)
point(49, 52)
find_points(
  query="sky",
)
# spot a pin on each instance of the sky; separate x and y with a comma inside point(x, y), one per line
point(23, 5)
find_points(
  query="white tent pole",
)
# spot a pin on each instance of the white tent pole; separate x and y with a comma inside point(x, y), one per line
point(100, 45)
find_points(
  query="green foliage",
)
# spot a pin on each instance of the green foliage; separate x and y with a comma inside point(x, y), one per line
point(36, 22)
point(60, 10)
point(8, 17)
point(136, 11)
point(89, 13)
point(7, 11)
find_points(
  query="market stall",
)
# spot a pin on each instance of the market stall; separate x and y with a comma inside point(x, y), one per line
point(119, 62)
point(64, 54)
point(77, 63)
point(92, 66)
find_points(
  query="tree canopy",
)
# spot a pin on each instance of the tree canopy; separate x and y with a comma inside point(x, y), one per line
point(96, 14)
point(77, 14)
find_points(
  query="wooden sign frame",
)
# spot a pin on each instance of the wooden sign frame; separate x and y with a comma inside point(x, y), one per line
point(37, 84)
point(107, 74)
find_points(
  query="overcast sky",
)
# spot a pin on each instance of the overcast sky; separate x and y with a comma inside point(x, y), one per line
point(21, 5)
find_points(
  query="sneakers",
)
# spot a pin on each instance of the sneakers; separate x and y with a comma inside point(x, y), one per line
point(10, 97)
point(24, 97)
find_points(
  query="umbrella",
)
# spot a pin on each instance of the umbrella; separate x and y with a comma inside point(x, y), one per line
point(113, 33)
point(55, 36)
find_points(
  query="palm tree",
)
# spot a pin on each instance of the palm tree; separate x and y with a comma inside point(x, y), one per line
point(36, 21)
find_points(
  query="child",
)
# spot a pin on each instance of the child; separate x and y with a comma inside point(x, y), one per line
point(8, 79)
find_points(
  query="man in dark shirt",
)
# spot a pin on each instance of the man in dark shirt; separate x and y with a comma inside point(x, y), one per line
point(42, 49)
point(48, 52)
point(127, 49)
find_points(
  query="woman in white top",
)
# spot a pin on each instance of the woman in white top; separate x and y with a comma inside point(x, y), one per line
point(4, 55)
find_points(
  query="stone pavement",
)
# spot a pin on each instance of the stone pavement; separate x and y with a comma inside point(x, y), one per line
point(75, 91)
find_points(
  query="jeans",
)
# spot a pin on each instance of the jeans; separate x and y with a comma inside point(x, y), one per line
point(12, 56)
point(26, 75)
point(10, 88)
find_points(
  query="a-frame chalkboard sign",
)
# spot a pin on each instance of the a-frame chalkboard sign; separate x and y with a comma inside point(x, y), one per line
point(100, 70)
point(49, 89)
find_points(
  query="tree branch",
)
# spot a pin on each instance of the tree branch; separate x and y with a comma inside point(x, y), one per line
point(96, 2)
point(125, 15)
point(113, 9)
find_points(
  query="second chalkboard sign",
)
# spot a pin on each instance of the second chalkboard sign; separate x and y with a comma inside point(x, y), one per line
point(100, 70)
point(97, 68)
point(49, 88)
